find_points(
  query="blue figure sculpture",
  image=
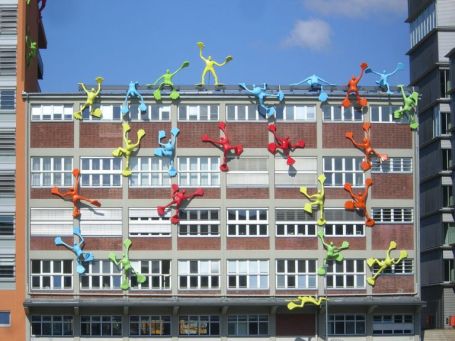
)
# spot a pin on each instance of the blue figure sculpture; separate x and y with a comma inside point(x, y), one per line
point(316, 83)
point(168, 149)
point(261, 94)
point(132, 92)
point(76, 248)
point(383, 81)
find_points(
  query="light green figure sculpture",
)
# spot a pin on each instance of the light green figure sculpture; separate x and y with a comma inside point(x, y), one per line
point(167, 82)
point(126, 267)
point(333, 252)
point(317, 200)
point(31, 49)
point(128, 148)
point(408, 108)
point(91, 95)
point(209, 65)
point(300, 301)
point(386, 263)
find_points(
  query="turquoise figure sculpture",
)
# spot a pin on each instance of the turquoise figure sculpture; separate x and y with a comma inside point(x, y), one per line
point(333, 252)
point(316, 83)
point(168, 149)
point(383, 81)
point(261, 94)
point(409, 108)
point(133, 93)
point(166, 82)
point(77, 248)
point(124, 264)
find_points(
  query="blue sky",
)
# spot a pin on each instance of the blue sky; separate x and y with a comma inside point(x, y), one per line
point(272, 41)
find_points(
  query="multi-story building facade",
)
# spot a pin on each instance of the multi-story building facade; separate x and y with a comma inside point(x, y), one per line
point(432, 35)
point(240, 251)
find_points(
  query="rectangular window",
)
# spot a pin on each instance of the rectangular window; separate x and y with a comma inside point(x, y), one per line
point(449, 233)
point(248, 274)
point(7, 224)
point(449, 270)
point(393, 215)
point(384, 114)
point(203, 325)
point(101, 172)
point(101, 325)
point(199, 171)
point(423, 24)
point(447, 196)
point(157, 273)
point(242, 112)
point(52, 274)
point(51, 171)
point(445, 83)
point(8, 20)
point(155, 112)
point(393, 324)
point(302, 173)
point(5, 319)
point(247, 172)
point(334, 113)
point(441, 123)
point(340, 170)
point(52, 112)
point(248, 325)
point(101, 222)
point(403, 268)
point(347, 324)
point(247, 222)
point(149, 172)
point(294, 222)
point(101, 275)
point(150, 325)
point(296, 274)
point(7, 267)
point(198, 112)
point(392, 165)
point(297, 113)
point(7, 142)
point(7, 183)
point(7, 99)
point(52, 325)
point(146, 222)
point(199, 223)
point(348, 274)
point(446, 159)
point(345, 229)
point(7, 62)
point(109, 112)
point(51, 222)
point(199, 274)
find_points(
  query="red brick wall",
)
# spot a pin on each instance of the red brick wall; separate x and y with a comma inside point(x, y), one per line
point(100, 135)
point(191, 133)
point(43, 193)
point(299, 131)
point(296, 292)
point(295, 325)
point(247, 293)
point(289, 193)
point(250, 135)
point(151, 243)
point(199, 293)
point(209, 193)
point(333, 135)
point(296, 243)
point(355, 243)
point(340, 292)
point(386, 135)
point(244, 193)
point(339, 193)
point(150, 140)
point(195, 243)
point(148, 193)
point(248, 243)
point(106, 193)
point(383, 234)
point(394, 284)
point(104, 243)
point(51, 135)
point(392, 186)
point(47, 243)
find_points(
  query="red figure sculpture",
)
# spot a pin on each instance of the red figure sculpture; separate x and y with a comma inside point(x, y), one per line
point(73, 193)
point(365, 146)
point(178, 197)
point(353, 89)
point(359, 201)
point(284, 144)
point(224, 144)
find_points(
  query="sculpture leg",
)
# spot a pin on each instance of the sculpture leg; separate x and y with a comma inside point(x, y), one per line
point(172, 171)
point(346, 102)
point(125, 284)
point(78, 114)
point(142, 106)
point(203, 76)
point(174, 94)
point(118, 152)
point(76, 212)
point(215, 77)
point(96, 112)
point(124, 107)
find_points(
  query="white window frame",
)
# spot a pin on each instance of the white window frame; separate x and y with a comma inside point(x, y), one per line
point(193, 113)
point(102, 320)
point(344, 228)
point(242, 323)
point(249, 116)
point(63, 320)
point(357, 175)
point(51, 222)
point(389, 324)
point(90, 173)
point(244, 178)
point(198, 224)
point(305, 172)
point(147, 170)
point(247, 224)
point(146, 222)
point(392, 165)
point(51, 274)
point(7, 225)
point(62, 177)
point(7, 266)
point(385, 114)
point(345, 319)
point(8, 315)
point(301, 226)
point(199, 323)
point(186, 175)
point(393, 215)
point(163, 278)
point(339, 270)
point(105, 222)
point(50, 112)
point(148, 116)
point(405, 267)
point(108, 110)
point(343, 115)
point(307, 113)
point(156, 325)
point(298, 271)
point(212, 272)
point(254, 270)
point(114, 274)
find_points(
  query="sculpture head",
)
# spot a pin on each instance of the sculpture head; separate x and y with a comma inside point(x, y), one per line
point(76, 172)
point(168, 71)
point(353, 78)
point(130, 142)
point(92, 89)
point(209, 57)
point(384, 71)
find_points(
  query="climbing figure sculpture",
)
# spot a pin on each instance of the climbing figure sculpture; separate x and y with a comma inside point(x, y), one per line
point(209, 65)
point(168, 149)
point(409, 108)
point(333, 252)
point(359, 201)
point(91, 96)
point(31, 49)
point(385, 263)
point(383, 81)
point(178, 199)
point(261, 94)
point(284, 144)
point(316, 200)
point(133, 93)
point(316, 83)
point(82, 257)
point(166, 82)
point(354, 89)
point(125, 266)
point(300, 301)
point(129, 147)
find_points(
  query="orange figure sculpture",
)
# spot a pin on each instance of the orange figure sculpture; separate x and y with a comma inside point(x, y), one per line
point(224, 144)
point(178, 198)
point(359, 201)
point(73, 193)
point(353, 89)
point(284, 144)
point(365, 146)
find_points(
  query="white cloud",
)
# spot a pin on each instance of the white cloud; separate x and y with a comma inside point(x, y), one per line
point(313, 34)
point(356, 8)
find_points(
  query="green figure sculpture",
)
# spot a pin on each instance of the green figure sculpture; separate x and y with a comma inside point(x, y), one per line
point(386, 263)
point(167, 83)
point(91, 95)
point(316, 200)
point(209, 63)
point(126, 267)
point(31, 48)
point(333, 252)
point(300, 301)
point(128, 148)
point(408, 108)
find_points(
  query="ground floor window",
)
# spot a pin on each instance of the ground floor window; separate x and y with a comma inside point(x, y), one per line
point(393, 324)
point(52, 325)
point(150, 325)
point(199, 325)
point(248, 325)
point(101, 325)
point(347, 324)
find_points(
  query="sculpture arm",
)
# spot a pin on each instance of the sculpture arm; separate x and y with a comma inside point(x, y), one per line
point(98, 90)
point(323, 81)
point(201, 56)
point(184, 64)
point(83, 87)
point(157, 80)
point(219, 64)
point(244, 87)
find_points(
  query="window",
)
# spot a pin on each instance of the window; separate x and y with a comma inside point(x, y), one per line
point(247, 222)
point(248, 325)
point(242, 112)
point(340, 170)
point(302, 173)
point(348, 274)
point(101, 222)
point(199, 223)
point(7, 142)
point(155, 112)
point(149, 172)
point(101, 325)
point(393, 324)
point(5, 318)
point(441, 123)
point(52, 112)
point(449, 270)
point(203, 325)
point(446, 159)
point(52, 274)
point(296, 274)
point(52, 171)
point(7, 267)
point(101, 172)
point(199, 171)
point(51, 222)
point(7, 183)
point(7, 62)
point(150, 325)
point(7, 224)
point(423, 24)
point(402, 268)
point(384, 114)
point(8, 99)
point(199, 274)
point(146, 222)
point(445, 83)
point(157, 273)
point(52, 325)
point(449, 233)
point(393, 215)
point(8, 20)
point(248, 274)
point(447, 196)
point(101, 275)
point(340, 114)
point(247, 172)
point(299, 113)
point(345, 229)
point(352, 324)
point(195, 112)
point(294, 222)
point(110, 112)
point(392, 165)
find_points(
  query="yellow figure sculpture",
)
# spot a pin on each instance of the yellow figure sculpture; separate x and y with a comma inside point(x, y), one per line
point(129, 147)
point(386, 263)
point(91, 96)
point(209, 65)
point(300, 301)
point(316, 200)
